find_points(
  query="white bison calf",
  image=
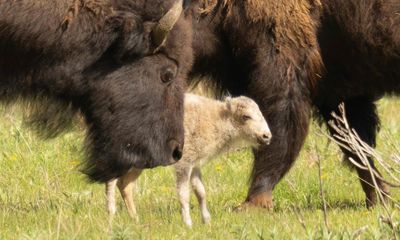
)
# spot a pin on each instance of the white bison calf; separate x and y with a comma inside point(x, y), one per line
point(211, 128)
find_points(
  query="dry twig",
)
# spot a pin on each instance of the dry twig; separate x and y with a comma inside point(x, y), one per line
point(347, 138)
point(321, 189)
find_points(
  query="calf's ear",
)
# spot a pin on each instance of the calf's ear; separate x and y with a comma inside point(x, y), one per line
point(228, 102)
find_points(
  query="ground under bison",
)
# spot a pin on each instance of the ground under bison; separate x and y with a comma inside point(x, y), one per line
point(295, 55)
point(121, 64)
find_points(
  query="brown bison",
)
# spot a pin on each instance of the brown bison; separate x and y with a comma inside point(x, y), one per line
point(121, 63)
point(275, 52)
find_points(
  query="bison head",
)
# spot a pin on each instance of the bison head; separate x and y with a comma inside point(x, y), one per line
point(134, 108)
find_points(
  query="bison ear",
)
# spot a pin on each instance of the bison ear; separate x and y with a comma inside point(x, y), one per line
point(160, 31)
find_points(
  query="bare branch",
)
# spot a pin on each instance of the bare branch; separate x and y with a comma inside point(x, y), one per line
point(348, 139)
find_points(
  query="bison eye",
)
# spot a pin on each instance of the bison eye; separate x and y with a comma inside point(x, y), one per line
point(246, 117)
point(167, 75)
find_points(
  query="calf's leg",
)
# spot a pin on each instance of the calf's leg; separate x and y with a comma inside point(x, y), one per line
point(110, 194)
point(199, 190)
point(183, 188)
point(125, 185)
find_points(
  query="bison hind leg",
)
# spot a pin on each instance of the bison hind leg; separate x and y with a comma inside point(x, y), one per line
point(362, 117)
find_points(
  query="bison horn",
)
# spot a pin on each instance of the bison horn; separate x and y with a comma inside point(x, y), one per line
point(166, 23)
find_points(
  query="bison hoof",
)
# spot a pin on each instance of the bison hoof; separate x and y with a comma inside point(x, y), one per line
point(260, 200)
point(373, 198)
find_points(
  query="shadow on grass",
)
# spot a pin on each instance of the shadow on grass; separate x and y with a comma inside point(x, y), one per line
point(345, 204)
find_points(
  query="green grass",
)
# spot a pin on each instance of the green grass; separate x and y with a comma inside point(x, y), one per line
point(44, 196)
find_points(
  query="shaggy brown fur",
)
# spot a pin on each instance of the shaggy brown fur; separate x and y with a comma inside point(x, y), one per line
point(289, 25)
point(98, 57)
point(360, 45)
point(270, 51)
point(267, 50)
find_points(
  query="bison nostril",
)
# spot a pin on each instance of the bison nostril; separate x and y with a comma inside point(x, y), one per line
point(177, 153)
point(176, 148)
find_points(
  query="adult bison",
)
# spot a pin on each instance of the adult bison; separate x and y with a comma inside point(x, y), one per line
point(270, 51)
point(120, 63)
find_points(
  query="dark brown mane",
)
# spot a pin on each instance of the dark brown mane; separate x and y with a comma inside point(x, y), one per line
point(293, 27)
point(100, 9)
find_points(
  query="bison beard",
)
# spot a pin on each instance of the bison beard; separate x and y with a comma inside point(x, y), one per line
point(104, 60)
point(270, 51)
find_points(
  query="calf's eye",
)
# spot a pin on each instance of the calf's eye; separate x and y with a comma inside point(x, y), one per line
point(246, 117)
point(167, 75)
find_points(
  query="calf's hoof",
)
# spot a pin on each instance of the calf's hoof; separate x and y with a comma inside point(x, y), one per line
point(206, 219)
point(188, 223)
point(112, 211)
point(136, 219)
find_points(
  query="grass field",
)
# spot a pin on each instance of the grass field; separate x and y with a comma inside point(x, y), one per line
point(44, 196)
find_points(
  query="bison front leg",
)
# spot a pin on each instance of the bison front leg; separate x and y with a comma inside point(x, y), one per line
point(288, 118)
